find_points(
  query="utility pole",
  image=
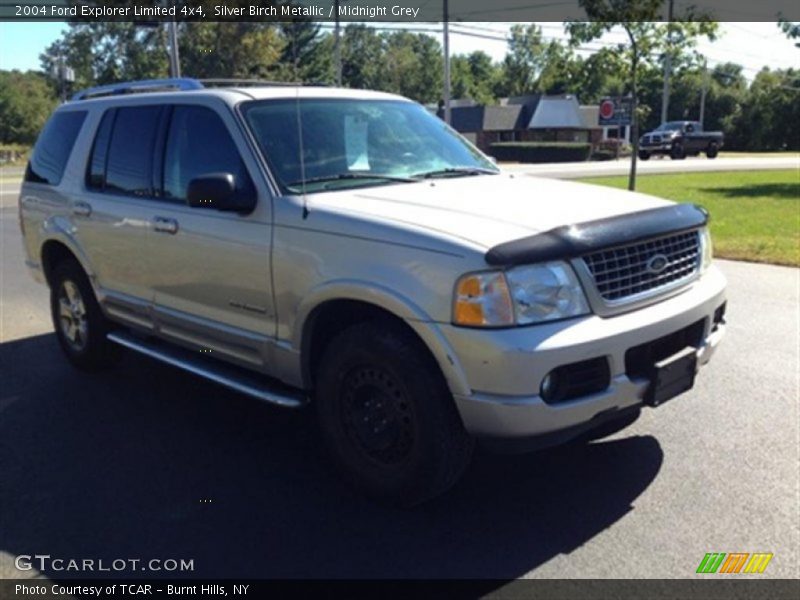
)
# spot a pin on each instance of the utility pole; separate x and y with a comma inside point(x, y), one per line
point(667, 63)
point(174, 58)
point(62, 74)
point(706, 81)
point(337, 44)
point(446, 62)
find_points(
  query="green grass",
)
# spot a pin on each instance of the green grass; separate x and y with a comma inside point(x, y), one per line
point(755, 215)
point(743, 154)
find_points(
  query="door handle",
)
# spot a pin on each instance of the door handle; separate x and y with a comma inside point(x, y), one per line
point(82, 209)
point(164, 225)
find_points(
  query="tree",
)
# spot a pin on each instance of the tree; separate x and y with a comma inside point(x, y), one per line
point(769, 117)
point(362, 57)
point(560, 72)
point(525, 60)
point(792, 30)
point(413, 66)
point(306, 54)
point(474, 76)
point(646, 39)
point(108, 52)
point(249, 50)
point(599, 75)
point(26, 100)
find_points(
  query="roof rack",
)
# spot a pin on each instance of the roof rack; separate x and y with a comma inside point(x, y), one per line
point(246, 83)
point(176, 84)
point(139, 87)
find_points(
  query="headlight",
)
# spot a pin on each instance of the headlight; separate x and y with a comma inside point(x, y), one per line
point(546, 292)
point(483, 300)
point(521, 296)
point(706, 249)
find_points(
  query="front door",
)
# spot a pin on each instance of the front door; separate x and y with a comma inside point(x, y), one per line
point(212, 281)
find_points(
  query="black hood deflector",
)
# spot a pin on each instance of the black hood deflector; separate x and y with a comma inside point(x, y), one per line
point(570, 241)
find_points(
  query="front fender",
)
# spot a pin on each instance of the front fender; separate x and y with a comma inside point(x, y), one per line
point(397, 304)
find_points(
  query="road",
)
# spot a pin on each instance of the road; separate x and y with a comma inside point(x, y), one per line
point(147, 462)
point(654, 166)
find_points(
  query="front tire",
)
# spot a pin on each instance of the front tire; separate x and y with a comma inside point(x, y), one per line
point(387, 416)
point(712, 151)
point(644, 155)
point(677, 152)
point(80, 325)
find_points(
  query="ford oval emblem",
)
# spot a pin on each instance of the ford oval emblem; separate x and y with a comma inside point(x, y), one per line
point(656, 264)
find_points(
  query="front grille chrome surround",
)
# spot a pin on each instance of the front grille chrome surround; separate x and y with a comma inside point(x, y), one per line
point(619, 277)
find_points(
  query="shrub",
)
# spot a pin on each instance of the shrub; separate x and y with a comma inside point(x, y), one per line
point(604, 155)
point(14, 153)
point(611, 145)
point(541, 152)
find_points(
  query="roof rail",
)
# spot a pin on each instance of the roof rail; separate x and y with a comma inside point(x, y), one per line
point(138, 87)
point(177, 84)
point(246, 83)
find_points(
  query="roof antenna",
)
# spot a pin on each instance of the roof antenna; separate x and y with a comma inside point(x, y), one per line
point(299, 122)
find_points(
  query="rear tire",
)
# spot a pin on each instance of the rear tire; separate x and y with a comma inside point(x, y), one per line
point(387, 416)
point(712, 151)
point(80, 325)
point(644, 155)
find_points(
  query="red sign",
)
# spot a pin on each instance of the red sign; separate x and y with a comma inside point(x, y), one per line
point(607, 109)
point(615, 111)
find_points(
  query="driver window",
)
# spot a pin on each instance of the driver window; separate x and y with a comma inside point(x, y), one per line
point(199, 144)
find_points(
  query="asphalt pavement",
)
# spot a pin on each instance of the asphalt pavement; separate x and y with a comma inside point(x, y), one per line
point(655, 166)
point(147, 462)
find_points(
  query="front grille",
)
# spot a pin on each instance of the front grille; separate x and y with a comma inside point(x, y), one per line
point(648, 140)
point(620, 273)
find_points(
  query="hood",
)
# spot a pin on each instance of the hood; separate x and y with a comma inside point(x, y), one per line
point(485, 210)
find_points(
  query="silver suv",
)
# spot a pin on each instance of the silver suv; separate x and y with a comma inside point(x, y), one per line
point(348, 249)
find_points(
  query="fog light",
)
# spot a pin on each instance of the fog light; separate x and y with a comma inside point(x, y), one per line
point(549, 385)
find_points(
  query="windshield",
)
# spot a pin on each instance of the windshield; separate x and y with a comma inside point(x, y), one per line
point(671, 126)
point(357, 143)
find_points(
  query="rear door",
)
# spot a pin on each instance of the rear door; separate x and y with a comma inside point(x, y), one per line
point(211, 277)
point(115, 223)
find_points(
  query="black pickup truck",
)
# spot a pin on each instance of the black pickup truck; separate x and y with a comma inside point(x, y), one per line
point(680, 139)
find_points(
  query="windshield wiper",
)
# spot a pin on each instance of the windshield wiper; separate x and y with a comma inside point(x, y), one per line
point(345, 176)
point(455, 171)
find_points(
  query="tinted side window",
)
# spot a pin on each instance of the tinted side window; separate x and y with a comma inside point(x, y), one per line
point(54, 147)
point(198, 144)
point(130, 152)
point(96, 172)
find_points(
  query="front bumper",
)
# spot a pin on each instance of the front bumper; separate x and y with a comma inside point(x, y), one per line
point(665, 147)
point(505, 367)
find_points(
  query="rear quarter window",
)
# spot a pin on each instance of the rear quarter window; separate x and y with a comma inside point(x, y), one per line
point(52, 150)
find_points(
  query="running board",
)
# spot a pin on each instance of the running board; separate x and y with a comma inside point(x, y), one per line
point(235, 378)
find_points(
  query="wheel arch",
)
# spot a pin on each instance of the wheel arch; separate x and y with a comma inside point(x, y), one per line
point(53, 252)
point(336, 309)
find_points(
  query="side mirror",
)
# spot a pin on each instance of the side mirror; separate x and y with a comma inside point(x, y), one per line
point(218, 191)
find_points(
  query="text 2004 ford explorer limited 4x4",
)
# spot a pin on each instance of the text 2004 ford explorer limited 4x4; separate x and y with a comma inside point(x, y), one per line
point(348, 249)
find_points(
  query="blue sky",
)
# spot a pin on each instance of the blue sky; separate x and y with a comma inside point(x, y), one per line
point(752, 45)
point(21, 43)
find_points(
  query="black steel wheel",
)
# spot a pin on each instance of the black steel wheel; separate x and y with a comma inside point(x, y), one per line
point(387, 416)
